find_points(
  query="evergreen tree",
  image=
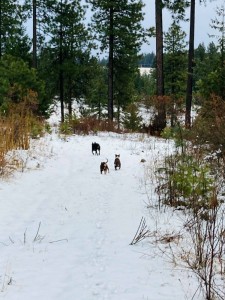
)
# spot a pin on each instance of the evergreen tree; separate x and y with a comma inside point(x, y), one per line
point(175, 67)
point(97, 88)
point(118, 27)
point(13, 39)
point(175, 61)
point(69, 46)
point(145, 86)
point(17, 81)
point(41, 12)
point(219, 25)
point(177, 8)
point(213, 67)
point(212, 55)
point(201, 57)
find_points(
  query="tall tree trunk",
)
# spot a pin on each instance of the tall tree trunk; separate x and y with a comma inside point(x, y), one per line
point(70, 107)
point(222, 63)
point(34, 34)
point(0, 28)
point(159, 48)
point(61, 79)
point(190, 66)
point(110, 69)
point(160, 122)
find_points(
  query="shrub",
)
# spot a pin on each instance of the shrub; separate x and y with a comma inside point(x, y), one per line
point(132, 120)
point(86, 125)
point(209, 126)
point(65, 128)
point(183, 181)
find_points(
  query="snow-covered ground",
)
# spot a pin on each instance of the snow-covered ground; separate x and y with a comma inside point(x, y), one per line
point(66, 229)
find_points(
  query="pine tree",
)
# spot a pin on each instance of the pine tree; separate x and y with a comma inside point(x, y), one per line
point(178, 13)
point(219, 25)
point(212, 68)
point(13, 39)
point(118, 27)
point(69, 46)
point(175, 65)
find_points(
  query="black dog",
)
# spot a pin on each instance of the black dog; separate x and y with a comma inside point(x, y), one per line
point(96, 148)
point(117, 162)
point(104, 167)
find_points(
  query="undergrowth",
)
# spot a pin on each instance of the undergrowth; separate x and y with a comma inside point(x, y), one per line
point(191, 180)
point(18, 125)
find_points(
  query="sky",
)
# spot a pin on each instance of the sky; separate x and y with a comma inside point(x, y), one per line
point(204, 15)
point(66, 229)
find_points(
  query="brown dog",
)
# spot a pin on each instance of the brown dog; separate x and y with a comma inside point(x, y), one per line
point(104, 167)
point(117, 162)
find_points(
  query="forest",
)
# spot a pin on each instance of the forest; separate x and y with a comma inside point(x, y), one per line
point(62, 59)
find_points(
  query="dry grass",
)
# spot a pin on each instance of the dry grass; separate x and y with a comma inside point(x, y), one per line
point(87, 125)
point(16, 129)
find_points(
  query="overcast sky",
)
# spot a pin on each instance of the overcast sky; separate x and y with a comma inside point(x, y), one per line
point(204, 15)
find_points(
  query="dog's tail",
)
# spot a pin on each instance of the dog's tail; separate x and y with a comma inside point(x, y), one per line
point(106, 160)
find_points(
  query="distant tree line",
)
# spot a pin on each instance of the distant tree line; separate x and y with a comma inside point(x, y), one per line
point(147, 60)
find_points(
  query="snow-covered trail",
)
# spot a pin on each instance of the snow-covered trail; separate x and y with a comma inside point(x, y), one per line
point(65, 229)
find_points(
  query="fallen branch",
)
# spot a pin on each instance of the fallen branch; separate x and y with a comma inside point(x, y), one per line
point(168, 238)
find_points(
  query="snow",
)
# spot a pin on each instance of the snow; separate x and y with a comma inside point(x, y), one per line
point(145, 71)
point(66, 229)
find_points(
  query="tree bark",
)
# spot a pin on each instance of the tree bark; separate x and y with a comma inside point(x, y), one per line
point(0, 28)
point(190, 66)
point(34, 34)
point(61, 79)
point(160, 119)
point(159, 47)
point(110, 69)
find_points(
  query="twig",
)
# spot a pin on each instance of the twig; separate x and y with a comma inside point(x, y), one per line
point(37, 232)
point(11, 240)
point(24, 236)
point(4, 244)
point(141, 233)
point(59, 241)
point(10, 281)
point(195, 292)
point(139, 225)
point(39, 238)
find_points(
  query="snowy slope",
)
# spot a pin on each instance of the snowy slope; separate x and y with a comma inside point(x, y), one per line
point(65, 229)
